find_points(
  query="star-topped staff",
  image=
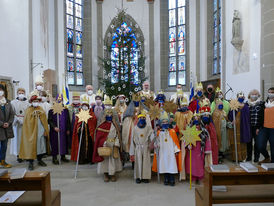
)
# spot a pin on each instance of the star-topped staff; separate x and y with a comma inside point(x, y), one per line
point(57, 109)
point(83, 116)
point(170, 106)
point(154, 113)
point(234, 106)
point(190, 137)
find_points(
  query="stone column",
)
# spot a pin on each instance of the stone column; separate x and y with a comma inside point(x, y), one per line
point(151, 43)
point(267, 45)
point(100, 42)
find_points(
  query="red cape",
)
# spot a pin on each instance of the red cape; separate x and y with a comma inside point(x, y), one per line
point(214, 143)
point(92, 123)
point(101, 137)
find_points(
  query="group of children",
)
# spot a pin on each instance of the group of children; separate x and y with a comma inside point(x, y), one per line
point(133, 133)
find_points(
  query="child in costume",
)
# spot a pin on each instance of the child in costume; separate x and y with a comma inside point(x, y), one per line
point(108, 135)
point(201, 153)
point(139, 152)
point(169, 152)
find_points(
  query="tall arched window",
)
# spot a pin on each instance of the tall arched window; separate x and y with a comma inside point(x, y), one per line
point(74, 22)
point(124, 51)
point(177, 42)
point(217, 34)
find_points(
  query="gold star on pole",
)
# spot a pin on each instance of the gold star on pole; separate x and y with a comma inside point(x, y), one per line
point(191, 135)
point(57, 108)
point(83, 116)
point(170, 106)
point(154, 112)
point(234, 104)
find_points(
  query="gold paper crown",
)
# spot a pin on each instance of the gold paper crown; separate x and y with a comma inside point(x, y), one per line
point(84, 100)
point(204, 103)
point(218, 90)
point(136, 97)
point(164, 115)
point(161, 92)
point(75, 95)
point(183, 101)
point(240, 94)
point(199, 86)
point(100, 93)
point(196, 114)
point(142, 114)
point(107, 100)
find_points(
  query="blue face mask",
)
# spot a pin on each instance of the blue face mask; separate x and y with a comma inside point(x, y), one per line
point(142, 100)
point(165, 126)
point(205, 120)
point(220, 106)
point(109, 118)
point(195, 122)
point(199, 93)
point(136, 104)
point(241, 100)
point(141, 123)
point(183, 109)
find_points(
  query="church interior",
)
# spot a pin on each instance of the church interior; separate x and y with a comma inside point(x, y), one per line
point(133, 102)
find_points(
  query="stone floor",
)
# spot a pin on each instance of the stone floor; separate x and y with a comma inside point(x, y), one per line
point(90, 189)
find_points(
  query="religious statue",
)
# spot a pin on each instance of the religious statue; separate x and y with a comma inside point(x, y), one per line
point(236, 41)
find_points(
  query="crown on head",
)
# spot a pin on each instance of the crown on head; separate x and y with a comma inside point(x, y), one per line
point(84, 100)
point(204, 110)
point(240, 94)
point(184, 101)
point(99, 93)
point(108, 100)
point(204, 103)
point(142, 114)
point(199, 86)
point(136, 97)
point(163, 116)
point(196, 114)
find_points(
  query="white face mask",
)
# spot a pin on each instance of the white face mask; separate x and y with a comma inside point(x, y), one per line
point(254, 97)
point(35, 104)
point(178, 90)
point(1, 93)
point(271, 95)
point(108, 107)
point(21, 96)
point(44, 99)
point(122, 101)
point(85, 107)
point(39, 88)
point(90, 92)
point(220, 96)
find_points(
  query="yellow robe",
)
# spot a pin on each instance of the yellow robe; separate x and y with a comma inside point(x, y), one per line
point(28, 147)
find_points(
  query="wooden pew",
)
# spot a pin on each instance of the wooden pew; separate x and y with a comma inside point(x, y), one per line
point(242, 187)
point(37, 186)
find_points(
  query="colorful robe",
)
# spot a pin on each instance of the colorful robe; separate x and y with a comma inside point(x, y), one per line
point(86, 149)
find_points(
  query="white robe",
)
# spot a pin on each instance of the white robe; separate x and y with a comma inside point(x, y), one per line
point(167, 160)
point(139, 147)
point(111, 165)
point(19, 109)
point(46, 107)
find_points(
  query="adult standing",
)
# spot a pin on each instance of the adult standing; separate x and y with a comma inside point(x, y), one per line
point(89, 95)
point(6, 120)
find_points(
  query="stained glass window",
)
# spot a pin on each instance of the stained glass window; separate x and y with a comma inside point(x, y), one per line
point(74, 18)
point(217, 34)
point(120, 53)
point(177, 42)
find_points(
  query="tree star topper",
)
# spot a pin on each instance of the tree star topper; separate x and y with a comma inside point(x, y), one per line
point(57, 108)
point(154, 112)
point(191, 135)
point(234, 104)
point(170, 106)
point(83, 116)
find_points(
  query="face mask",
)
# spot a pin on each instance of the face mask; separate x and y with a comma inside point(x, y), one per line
point(199, 93)
point(136, 104)
point(205, 120)
point(183, 109)
point(21, 96)
point(109, 118)
point(220, 106)
point(108, 107)
point(39, 88)
point(209, 89)
point(220, 96)
point(254, 97)
point(90, 92)
point(142, 100)
point(44, 99)
point(35, 104)
point(141, 123)
point(98, 101)
point(122, 101)
point(1, 93)
point(270, 95)
point(85, 107)
point(165, 126)
point(195, 122)
point(241, 99)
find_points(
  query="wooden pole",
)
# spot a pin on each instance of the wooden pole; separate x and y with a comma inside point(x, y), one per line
point(77, 163)
point(190, 169)
point(58, 125)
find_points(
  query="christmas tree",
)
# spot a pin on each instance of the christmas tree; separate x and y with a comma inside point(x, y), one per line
point(123, 62)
